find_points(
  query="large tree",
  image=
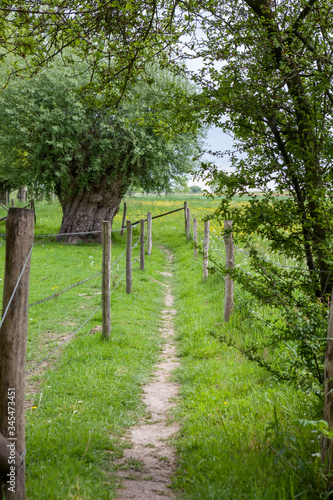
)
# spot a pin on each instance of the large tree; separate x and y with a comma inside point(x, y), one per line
point(55, 138)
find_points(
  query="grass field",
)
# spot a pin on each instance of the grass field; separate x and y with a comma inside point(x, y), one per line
point(241, 435)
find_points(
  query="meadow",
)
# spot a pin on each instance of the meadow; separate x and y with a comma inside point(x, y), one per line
point(243, 434)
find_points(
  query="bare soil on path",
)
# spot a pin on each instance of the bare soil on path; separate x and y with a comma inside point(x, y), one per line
point(146, 468)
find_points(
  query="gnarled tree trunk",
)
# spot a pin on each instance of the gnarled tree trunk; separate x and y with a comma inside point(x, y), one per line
point(84, 211)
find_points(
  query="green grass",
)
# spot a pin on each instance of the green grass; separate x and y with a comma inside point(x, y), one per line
point(88, 391)
point(240, 435)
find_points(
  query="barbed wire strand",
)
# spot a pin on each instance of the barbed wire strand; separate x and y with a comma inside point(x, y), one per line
point(29, 205)
point(63, 291)
point(64, 342)
point(116, 261)
point(214, 250)
point(15, 288)
point(97, 232)
point(73, 286)
point(265, 259)
point(121, 277)
point(68, 234)
point(155, 217)
point(74, 333)
point(136, 244)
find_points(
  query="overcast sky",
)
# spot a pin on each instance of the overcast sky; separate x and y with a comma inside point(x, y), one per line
point(216, 140)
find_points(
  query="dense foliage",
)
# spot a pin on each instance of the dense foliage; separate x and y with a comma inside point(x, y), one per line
point(266, 79)
point(52, 138)
point(114, 39)
point(55, 138)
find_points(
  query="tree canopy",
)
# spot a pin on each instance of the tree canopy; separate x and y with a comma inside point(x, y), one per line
point(54, 139)
point(114, 39)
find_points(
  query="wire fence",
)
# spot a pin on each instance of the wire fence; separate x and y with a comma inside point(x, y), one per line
point(30, 205)
point(85, 322)
point(63, 291)
point(238, 266)
point(299, 268)
point(99, 231)
point(64, 342)
point(54, 295)
point(70, 287)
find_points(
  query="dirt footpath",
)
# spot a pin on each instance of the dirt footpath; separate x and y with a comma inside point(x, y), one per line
point(152, 458)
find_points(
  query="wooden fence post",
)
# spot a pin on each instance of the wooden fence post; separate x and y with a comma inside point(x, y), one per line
point(185, 213)
point(149, 233)
point(229, 264)
point(13, 344)
point(13, 203)
point(142, 244)
point(205, 250)
point(129, 257)
point(124, 218)
point(106, 280)
point(188, 224)
point(195, 237)
point(32, 204)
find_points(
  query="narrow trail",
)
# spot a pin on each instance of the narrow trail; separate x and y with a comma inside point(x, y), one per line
point(151, 479)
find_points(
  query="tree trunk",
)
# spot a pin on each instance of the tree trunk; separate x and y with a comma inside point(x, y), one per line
point(327, 443)
point(85, 210)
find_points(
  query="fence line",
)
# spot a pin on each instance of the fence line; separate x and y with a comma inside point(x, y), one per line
point(14, 361)
point(82, 233)
point(254, 276)
point(135, 260)
point(155, 217)
point(121, 277)
point(251, 310)
point(76, 331)
point(72, 286)
point(91, 277)
point(301, 269)
point(80, 282)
